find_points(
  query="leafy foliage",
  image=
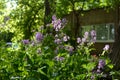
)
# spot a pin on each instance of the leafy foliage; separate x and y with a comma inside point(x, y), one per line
point(29, 14)
point(50, 56)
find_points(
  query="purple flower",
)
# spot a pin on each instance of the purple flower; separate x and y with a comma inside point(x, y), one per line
point(57, 25)
point(64, 21)
point(69, 48)
point(57, 41)
point(101, 64)
point(93, 35)
point(57, 58)
point(25, 41)
point(61, 58)
point(86, 34)
point(98, 71)
point(93, 39)
point(66, 38)
point(54, 18)
point(78, 40)
point(106, 47)
point(92, 77)
point(39, 37)
point(83, 40)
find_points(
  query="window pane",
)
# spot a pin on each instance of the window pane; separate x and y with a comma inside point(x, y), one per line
point(105, 32)
point(111, 37)
point(102, 32)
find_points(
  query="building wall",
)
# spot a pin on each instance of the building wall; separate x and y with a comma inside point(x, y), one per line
point(99, 47)
point(95, 16)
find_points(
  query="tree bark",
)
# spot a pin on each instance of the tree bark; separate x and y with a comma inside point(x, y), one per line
point(47, 13)
point(115, 53)
point(78, 27)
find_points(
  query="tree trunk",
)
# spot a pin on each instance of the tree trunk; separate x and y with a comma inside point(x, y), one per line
point(115, 53)
point(47, 13)
point(77, 29)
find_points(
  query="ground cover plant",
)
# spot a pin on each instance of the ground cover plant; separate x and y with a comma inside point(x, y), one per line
point(49, 55)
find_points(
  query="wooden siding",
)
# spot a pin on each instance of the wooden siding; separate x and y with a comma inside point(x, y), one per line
point(95, 16)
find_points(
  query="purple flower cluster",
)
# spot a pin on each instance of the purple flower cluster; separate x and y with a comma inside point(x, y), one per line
point(25, 41)
point(106, 48)
point(82, 40)
point(100, 67)
point(69, 48)
point(101, 64)
point(93, 36)
point(57, 58)
point(39, 37)
point(58, 41)
point(86, 35)
point(57, 23)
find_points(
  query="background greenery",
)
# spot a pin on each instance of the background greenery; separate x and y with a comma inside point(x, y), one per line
point(39, 61)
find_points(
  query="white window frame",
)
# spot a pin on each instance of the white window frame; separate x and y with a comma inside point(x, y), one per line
point(108, 35)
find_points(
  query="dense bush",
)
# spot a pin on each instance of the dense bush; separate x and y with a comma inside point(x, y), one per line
point(52, 57)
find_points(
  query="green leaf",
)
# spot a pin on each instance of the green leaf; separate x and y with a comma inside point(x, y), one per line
point(40, 70)
point(110, 66)
point(81, 77)
point(89, 66)
point(50, 63)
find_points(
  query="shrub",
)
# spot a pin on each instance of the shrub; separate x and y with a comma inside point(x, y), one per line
point(51, 56)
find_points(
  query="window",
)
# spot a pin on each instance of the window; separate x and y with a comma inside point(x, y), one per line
point(105, 32)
